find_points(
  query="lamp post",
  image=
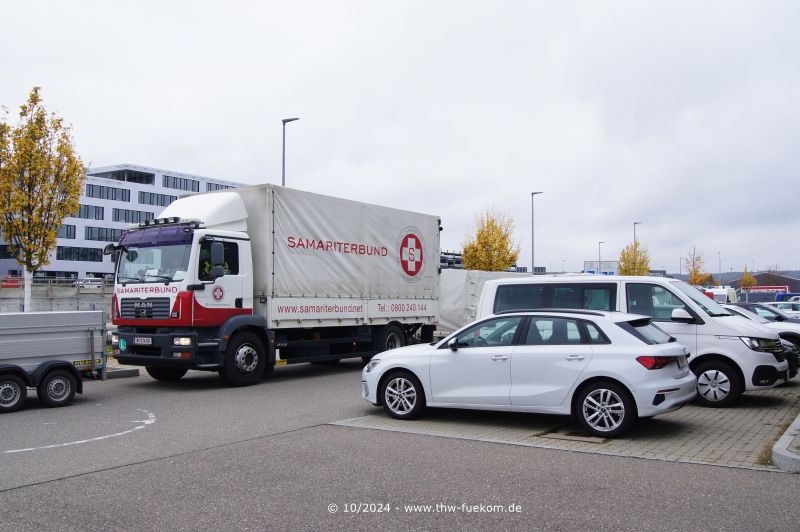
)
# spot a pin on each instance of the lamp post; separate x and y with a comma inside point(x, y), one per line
point(533, 264)
point(719, 258)
point(599, 262)
point(634, 230)
point(283, 157)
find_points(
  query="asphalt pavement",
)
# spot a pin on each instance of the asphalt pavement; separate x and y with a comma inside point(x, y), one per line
point(136, 454)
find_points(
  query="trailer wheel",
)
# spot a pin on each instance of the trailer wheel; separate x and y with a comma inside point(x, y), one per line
point(166, 374)
point(12, 393)
point(57, 388)
point(391, 337)
point(245, 360)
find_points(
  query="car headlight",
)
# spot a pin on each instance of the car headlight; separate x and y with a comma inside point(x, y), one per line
point(756, 344)
point(372, 363)
point(182, 341)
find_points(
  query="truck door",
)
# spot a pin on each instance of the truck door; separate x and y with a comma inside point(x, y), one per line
point(221, 298)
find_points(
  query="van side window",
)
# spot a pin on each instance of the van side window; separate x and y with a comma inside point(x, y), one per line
point(591, 296)
point(652, 300)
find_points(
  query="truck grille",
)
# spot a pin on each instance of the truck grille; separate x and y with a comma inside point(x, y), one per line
point(154, 308)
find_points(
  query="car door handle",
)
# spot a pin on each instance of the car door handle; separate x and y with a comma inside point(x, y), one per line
point(575, 357)
point(499, 357)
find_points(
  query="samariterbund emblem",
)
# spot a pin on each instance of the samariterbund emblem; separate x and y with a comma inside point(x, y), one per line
point(218, 293)
point(410, 253)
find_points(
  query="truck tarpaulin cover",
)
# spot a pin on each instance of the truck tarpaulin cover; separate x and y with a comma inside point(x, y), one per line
point(330, 247)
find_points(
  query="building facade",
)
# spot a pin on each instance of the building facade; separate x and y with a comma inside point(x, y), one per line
point(114, 198)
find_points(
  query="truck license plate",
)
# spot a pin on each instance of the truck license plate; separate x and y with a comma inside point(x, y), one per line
point(137, 340)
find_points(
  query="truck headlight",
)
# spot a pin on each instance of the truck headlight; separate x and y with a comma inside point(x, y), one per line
point(114, 339)
point(372, 363)
point(182, 341)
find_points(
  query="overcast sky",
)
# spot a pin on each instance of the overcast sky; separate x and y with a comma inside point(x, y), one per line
point(682, 115)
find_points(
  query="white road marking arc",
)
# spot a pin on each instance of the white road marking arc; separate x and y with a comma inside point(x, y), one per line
point(151, 418)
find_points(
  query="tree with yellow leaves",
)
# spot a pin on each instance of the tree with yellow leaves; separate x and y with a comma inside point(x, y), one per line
point(41, 179)
point(746, 281)
point(694, 266)
point(634, 260)
point(491, 248)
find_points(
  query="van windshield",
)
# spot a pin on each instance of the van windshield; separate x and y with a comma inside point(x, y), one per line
point(711, 307)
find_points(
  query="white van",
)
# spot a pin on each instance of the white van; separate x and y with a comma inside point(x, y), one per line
point(729, 354)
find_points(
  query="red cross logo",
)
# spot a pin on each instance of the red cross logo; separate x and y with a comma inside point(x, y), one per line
point(411, 255)
point(218, 293)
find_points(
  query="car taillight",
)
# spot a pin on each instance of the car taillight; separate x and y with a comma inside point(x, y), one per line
point(655, 362)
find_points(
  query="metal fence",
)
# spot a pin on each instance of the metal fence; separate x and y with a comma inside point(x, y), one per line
point(59, 294)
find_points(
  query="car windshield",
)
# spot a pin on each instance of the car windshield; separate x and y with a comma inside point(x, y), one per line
point(775, 311)
point(747, 314)
point(153, 264)
point(711, 307)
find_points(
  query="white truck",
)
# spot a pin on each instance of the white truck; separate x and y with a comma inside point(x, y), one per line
point(241, 280)
point(49, 351)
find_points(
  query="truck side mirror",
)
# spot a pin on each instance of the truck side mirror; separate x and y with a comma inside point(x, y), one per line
point(217, 254)
point(216, 272)
point(681, 315)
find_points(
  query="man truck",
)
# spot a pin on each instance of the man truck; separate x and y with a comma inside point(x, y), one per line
point(241, 280)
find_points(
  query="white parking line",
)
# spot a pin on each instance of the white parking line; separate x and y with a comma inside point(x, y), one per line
point(151, 418)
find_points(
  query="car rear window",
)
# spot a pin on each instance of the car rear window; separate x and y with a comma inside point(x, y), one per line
point(590, 296)
point(646, 331)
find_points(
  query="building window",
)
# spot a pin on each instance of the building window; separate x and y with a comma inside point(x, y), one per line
point(110, 193)
point(90, 212)
point(104, 234)
point(66, 231)
point(181, 183)
point(151, 198)
point(132, 217)
point(79, 254)
point(216, 186)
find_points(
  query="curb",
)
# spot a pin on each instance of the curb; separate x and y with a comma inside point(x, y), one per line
point(118, 373)
point(784, 458)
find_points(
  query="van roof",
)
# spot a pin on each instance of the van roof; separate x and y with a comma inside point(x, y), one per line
point(614, 316)
point(583, 278)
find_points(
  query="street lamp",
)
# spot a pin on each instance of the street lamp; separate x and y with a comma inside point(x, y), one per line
point(719, 257)
point(634, 230)
point(599, 268)
point(533, 264)
point(283, 158)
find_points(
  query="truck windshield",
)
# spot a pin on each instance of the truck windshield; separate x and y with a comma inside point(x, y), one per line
point(154, 255)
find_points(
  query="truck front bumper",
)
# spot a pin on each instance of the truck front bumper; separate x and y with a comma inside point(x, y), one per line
point(173, 349)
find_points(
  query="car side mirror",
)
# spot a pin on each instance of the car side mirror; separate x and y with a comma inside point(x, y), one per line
point(453, 344)
point(682, 316)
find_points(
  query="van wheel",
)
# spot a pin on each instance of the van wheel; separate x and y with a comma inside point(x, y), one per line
point(245, 360)
point(718, 384)
point(57, 388)
point(166, 374)
point(13, 393)
point(605, 409)
point(391, 337)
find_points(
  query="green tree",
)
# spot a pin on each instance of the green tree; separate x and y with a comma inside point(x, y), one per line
point(41, 179)
point(634, 260)
point(491, 248)
point(694, 266)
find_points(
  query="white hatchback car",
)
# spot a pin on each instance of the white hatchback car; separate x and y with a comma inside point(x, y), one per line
point(604, 368)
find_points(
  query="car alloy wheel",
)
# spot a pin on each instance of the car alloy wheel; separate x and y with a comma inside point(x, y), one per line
point(603, 410)
point(400, 396)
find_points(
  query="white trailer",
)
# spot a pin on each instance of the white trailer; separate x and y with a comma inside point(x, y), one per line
point(49, 351)
point(241, 280)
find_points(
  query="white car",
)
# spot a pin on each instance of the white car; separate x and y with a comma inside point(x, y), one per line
point(604, 368)
point(792, 308)
point(788, 331)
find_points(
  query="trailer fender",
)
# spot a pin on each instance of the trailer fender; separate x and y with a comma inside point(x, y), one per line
point(42, 370)
point(19, 372)
point(236, 323)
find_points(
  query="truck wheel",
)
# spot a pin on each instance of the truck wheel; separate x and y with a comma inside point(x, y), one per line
point(718, 384)
point(391, 337)
point(57, 388)
point(166, 374)
point(13, 392)
point(245, 360)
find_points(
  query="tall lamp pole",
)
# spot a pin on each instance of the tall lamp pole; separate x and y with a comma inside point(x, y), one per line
point(599, 262)
point(634, 230)
point(283, 157)
point(533, 264)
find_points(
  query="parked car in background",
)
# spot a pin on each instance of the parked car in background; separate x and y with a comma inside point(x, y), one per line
point(768, 312)
point(788, 331)
point(790, 308)
point(11, 281)
point(89, 282)
point(603, 368)
point(728, 354)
